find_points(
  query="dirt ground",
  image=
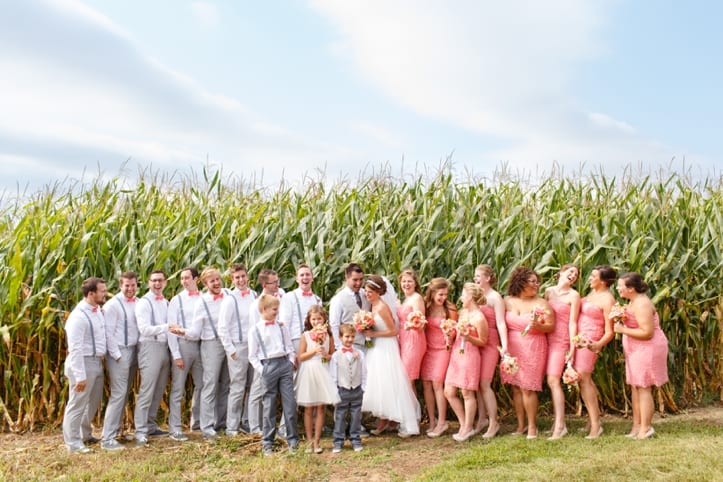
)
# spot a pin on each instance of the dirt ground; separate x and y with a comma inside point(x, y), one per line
point(408, 457)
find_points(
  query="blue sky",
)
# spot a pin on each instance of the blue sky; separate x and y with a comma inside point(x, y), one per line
point(282, 88)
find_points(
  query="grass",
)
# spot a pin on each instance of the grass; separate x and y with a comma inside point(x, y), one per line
point(687, 447)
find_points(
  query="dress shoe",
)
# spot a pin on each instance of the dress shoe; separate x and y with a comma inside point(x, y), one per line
point(647, 434)
point(594, 436)
point(562, 433)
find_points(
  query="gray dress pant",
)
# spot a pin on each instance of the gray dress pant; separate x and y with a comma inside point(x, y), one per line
point(154, 361)
point(82, 406)
point(213, 358)
point(121, 375)
point(278, 377)
point(237, 371)
point(191, 354)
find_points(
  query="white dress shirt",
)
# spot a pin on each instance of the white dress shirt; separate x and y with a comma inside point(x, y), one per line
point(269, 341)
point(85, 332)
point(233, 323)
point(120, 323)
point(152, 317)
point(293, 309)
point(255, 314)
point(181, 310)
point(205, 319)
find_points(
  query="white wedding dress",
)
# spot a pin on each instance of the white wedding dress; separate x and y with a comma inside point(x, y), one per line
point(388, 393)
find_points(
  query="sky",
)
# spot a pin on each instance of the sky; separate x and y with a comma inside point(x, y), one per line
point(341, 89)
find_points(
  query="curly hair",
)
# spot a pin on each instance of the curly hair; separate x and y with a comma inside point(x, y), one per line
point(518, 280)
point(435, 285)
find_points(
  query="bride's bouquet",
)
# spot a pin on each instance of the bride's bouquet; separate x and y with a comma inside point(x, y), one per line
point(364, 320)
point(537, 315)
point(448, 326)
point(463, 329)
point(508, 363)
point(415, 321)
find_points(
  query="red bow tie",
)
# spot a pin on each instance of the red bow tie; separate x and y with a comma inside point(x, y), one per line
point(159, 297)
point(269, 322)
point(347, 350)
point(245, 292)
point(131, 300)
point(194, 293)
point(307, 293)
point(218, 296)
point(95, 309)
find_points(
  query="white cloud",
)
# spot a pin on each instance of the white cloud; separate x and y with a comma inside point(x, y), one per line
point(379, 134)
point(206, 13)
point(79, 92)
point(501, 69)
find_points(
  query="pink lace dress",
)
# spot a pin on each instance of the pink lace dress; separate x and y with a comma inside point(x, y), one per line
point(530, 351)
point(646, 361)
point(463, 371)
point(436, 358)
point(489, 354)
point(412, 344)
point(591, 323)
point(558, 340)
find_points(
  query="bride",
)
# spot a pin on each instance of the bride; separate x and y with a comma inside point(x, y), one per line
point(388, 394)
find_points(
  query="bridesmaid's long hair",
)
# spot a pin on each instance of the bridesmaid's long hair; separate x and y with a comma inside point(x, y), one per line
point(435, 285)
point(412, 274)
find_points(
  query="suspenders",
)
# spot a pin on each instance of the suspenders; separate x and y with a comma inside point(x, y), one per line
point(92, 332)
point(125, 322)
point(261, 341)
point(210, 320)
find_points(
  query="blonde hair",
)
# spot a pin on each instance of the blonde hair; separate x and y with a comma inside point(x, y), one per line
point(208, 272)
point(475, 291)
point(487, 270)
point(412, 274)
point(267, 301)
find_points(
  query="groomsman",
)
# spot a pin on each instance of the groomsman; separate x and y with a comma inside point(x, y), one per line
point(153, 357)
point(87, 344)
point(185, 354)
point(213, 356)
point(269, 282)
point(295, 304)
point(347, 302)
point(233, 329)
point(122, 364)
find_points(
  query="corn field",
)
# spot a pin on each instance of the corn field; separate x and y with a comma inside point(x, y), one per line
point(667, 229)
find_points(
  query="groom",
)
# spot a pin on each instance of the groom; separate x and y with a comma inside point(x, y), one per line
point(347, 302)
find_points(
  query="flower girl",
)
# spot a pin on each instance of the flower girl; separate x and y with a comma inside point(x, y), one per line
point(314, 386)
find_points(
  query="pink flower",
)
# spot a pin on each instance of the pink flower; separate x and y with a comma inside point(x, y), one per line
point(415, 321)
point(448, 328)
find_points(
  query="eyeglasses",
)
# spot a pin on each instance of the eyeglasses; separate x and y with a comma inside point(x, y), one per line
point(533, 281)
point(157, 280)
point(272, 282)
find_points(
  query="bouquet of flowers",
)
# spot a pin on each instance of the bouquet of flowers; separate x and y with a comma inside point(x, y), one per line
point(570, 376)
point(364, 320)
point(508, 363)
point(537, 315)
point(447, 327)
point(319, 334)
point(617, 314)
point(463, 328)
point(581, 341)
point(415, 321)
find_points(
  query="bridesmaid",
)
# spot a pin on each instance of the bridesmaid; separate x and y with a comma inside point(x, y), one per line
point(412, 343)
point(436, 359)
point(464, 363)
point(529, 348)
point(594, 324)
point(646, 352)
point(494, 312)
point(565, 302)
